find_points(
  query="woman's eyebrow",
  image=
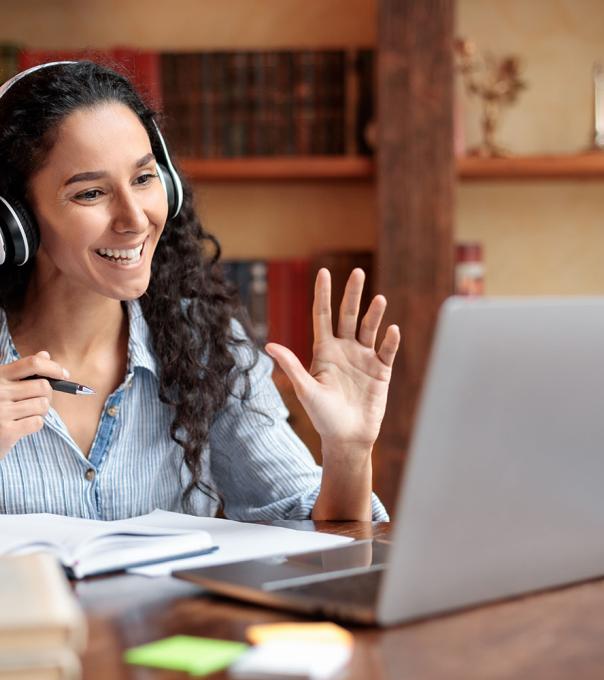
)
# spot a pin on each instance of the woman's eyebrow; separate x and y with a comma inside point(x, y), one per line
point(99, 174)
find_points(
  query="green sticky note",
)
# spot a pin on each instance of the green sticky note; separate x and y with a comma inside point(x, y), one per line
point(197, 655)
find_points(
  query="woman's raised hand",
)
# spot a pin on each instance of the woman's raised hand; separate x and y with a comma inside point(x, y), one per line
point(24, 403)
point(345, 390)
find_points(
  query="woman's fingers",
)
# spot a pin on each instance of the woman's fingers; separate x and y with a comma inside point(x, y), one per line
point(321, 308)
point(389, 346)
point(37, 406)
point(10, 433)
point(28, 425)
point(289, 362)
point(351, 302)
point(25, 389)
point(371, 321)
point(36, 364)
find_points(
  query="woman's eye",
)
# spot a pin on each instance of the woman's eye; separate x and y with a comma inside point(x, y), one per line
point(89, 195)
point(146, 178)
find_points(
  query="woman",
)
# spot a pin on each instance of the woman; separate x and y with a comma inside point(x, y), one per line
point(123, 295)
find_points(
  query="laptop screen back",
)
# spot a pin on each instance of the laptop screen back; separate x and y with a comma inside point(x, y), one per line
point(504, 488)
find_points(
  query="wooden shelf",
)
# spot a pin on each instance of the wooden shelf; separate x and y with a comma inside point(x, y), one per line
point(278, 168)
point(286, 168)
point(575, 166)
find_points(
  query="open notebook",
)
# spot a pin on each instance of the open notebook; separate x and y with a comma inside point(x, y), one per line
point(86, 547)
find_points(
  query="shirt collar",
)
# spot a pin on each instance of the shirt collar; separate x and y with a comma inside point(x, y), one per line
point(8, 353)
point(140, 352)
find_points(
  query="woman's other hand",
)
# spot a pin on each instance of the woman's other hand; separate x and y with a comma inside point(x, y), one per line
point(344, 393)
point(345, 390)
point(24, 403)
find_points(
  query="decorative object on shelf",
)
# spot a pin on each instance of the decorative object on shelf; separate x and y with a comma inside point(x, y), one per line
point(496, 81)
point(598, 135)
point(469, 269)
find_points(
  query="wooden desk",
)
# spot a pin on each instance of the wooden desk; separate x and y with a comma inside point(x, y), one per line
point(551, 636)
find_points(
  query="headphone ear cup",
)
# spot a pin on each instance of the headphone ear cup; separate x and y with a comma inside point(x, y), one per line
point(19, 231)
point(168, 183)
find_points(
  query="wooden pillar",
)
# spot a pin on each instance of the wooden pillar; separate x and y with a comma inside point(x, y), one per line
point(415, 176)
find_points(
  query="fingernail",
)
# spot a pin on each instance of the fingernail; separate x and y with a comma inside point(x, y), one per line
point(45, 353)
point(66, 373)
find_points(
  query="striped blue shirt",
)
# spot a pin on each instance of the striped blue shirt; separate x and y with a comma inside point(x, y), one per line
point(261, 468)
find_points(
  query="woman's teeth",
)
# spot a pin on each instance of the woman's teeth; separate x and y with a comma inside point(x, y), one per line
point(130, 255)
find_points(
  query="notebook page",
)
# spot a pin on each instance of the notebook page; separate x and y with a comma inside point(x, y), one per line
point(68, 533)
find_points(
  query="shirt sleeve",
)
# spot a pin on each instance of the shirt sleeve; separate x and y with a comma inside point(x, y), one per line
point(259, 465)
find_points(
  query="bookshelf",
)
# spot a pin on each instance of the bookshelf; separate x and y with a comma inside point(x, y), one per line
point(587, 165)
point(278, 168)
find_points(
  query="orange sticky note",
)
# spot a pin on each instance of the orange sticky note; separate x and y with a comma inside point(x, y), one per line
point(318, 633)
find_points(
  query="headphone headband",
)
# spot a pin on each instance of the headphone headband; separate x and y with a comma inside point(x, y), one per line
point(9, 83)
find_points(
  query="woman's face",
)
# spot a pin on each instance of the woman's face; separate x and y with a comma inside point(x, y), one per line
point(99, 203)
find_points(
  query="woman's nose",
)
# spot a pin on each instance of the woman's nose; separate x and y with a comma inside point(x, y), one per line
point(129, 213)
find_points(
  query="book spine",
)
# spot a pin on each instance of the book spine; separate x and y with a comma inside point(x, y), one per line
point(207, 104)
point(280, 136)
point(277, 299)
point(304, 100)
point(365, 116)
point(337, 118)
point(273, 66)
point(257, 300)
point(300, 309)
point(321, 104)
point(259, 104)
point(235, 118)
point(219, 101)
point(9, 61)
point(143, 68)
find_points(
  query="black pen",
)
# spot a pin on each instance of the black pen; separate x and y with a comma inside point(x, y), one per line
point(63, 385)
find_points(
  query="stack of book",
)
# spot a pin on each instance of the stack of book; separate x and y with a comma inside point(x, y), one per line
point(141, 66)
point(267, 103)
point(42, 627)
point(223, 104)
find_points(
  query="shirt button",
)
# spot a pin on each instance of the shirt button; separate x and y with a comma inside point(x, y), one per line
point(90, 474)
point(112, 411)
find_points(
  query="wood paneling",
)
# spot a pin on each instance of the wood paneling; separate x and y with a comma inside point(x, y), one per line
point(415, 174)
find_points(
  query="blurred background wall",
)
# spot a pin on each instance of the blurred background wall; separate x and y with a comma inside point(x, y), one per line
point(539, 237)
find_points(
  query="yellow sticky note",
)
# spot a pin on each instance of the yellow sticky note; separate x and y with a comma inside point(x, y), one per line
point(322, 633)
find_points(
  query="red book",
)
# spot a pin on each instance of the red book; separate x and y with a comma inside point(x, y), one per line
point(289, 306)
point(141, 66)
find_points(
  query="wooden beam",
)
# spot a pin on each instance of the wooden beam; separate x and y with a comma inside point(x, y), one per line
point(415, 177)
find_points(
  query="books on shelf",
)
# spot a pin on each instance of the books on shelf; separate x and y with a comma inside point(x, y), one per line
point(267, 103)
point(242, 103)
point(140, 66)
point(275, 294)
point(85, 547)
point(42, 626)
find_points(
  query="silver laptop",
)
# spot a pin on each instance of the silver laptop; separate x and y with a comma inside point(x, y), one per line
point(504, 490)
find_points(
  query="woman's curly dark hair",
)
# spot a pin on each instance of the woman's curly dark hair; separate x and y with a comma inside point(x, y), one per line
point(193, 341)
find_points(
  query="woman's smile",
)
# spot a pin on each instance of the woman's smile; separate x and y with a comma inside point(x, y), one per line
point(123, 258)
